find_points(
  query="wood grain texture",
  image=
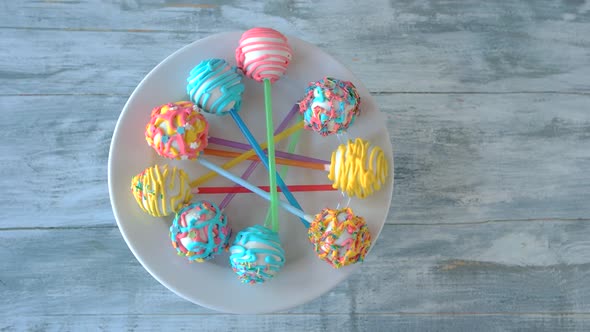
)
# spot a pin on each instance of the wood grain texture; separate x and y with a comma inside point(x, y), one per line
point(535, 267)
point(340, 322)
point(459, 158)
point(393, 46)
point(487, 109)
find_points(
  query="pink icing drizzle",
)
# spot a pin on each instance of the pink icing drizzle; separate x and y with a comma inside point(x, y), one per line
point(179, 114)
point(264, 66)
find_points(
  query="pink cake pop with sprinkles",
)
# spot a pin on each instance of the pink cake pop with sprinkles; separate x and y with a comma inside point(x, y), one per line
point(177, 130)
point(263, 54)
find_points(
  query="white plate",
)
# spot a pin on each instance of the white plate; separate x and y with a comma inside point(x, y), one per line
point(213, 284)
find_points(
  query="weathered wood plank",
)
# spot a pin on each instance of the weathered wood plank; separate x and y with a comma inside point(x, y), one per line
point(307, 322)
point(391, 46)
point(496, 268)
point(463, 160)
point(459, 158)
point(483, 157)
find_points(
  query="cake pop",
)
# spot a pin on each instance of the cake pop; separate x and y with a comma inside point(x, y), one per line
point(256, 254)
point(330, 106)
point(177, 130)
point(339, 237)
point(161, 191)
point(215, 86)
point(358, 168)
point(199, 231)
point(263, 53)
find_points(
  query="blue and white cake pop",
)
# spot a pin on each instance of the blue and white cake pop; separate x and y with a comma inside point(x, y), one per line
point(257, 254)
point(215, 86)
point(200, 231)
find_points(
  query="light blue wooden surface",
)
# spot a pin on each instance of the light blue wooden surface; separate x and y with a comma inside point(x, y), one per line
point(488, 109)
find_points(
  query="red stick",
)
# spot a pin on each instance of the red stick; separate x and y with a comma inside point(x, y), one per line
point(242, 190)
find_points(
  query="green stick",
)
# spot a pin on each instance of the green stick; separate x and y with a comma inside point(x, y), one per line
point(272, 167)
point(283, 172)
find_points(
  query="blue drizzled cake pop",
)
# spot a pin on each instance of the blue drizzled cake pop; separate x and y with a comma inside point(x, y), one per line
point(200, 231)
point(256, 254)
point(215, 86)
point(330, 106)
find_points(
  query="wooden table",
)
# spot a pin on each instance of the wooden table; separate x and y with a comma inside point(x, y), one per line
point(488, 109)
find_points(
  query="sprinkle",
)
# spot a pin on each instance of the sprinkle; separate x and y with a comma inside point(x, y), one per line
point(330, 106)
point(177, 125)
point(339, 243)
point(203, 246)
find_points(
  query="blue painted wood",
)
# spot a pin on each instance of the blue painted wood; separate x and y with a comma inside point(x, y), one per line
point(487, 109)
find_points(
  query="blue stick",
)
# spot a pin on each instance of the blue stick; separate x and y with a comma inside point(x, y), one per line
point(264, 158)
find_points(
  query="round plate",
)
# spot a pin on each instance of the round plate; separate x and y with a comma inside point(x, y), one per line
point(213, 284)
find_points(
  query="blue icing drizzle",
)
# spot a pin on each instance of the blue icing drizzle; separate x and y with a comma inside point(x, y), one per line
point(266, 244)
point(318, 92)
point(211, 75)
point(201, 250)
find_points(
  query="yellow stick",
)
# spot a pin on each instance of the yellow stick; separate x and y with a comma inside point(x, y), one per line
point(278, 137)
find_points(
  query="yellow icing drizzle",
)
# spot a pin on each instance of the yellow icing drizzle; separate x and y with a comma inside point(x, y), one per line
point(177, 130)
point(359, 173)
point(152, 190)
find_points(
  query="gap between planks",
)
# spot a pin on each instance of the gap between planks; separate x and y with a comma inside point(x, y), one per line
point(482, 222)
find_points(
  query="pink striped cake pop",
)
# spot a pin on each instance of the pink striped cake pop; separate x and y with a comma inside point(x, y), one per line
point(263, 54)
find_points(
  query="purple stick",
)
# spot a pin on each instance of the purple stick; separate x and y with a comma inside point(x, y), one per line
point(280, 154)
point(282, 126)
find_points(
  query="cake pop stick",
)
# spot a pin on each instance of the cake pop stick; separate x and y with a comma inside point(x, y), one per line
point(274, 207)
point(241, 190)
point(284, 169)
point(297, 212)
point(216, 87)
point(339, 237)
point(162, 190)
point(357, 168)
point(227, 199)
point(244, 156)
point(281, 154)
point(256, 159)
